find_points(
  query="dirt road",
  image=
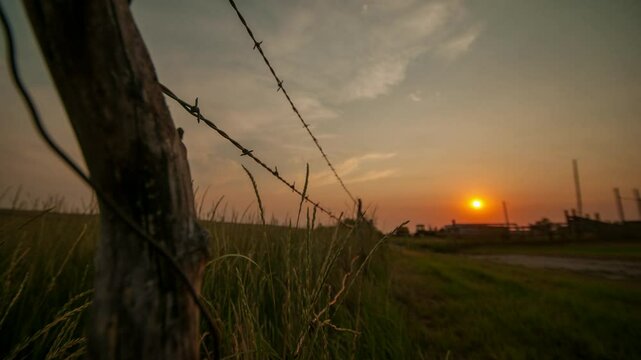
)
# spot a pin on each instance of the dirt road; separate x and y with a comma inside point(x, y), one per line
point(612, 269)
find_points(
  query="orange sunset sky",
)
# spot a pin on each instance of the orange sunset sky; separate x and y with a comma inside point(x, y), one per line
point(421, 105)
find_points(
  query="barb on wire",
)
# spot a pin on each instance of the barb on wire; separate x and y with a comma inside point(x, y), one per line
point(107, 200)
point(194, 111)
point(279, 81)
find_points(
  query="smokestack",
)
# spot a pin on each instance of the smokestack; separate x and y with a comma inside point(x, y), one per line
point(507, 218)
point(577, 186)
point(638, 200)
point(617, 198)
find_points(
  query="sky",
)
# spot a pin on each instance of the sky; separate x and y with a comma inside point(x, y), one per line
point(420, 105)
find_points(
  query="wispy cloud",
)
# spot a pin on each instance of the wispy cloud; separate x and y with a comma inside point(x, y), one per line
point(347, 51)
point(373, 175)
point(314, 109)
point(459, 44)
point(376, 79)
point(350, 167)
point(329, 53)
point(351, 164)
point(393, 43)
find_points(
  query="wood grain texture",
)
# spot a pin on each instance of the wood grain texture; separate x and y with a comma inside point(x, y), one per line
point(107, 82)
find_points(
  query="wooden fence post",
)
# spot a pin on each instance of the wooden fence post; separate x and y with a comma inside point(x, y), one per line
point(107, 82)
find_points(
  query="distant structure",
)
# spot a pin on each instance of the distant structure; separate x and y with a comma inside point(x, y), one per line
point(577, 187)
point(476, 230)
point(505, 214)
point(402, 231)
point(578, 224)
point(619, 202)
point(421, 231)
point(583, 227)
point(637, 198)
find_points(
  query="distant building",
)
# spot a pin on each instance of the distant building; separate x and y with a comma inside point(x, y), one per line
point(585, 227)
point(421, 230)
point(402, 231)
point(476, 230)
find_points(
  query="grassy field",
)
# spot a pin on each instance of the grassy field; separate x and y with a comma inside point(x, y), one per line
point(463, 308)
point(274, 291)
point(278, 292)
point(596, 250)
point(612, 249)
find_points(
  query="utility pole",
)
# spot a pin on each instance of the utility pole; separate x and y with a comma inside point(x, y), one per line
point(637, 198)
point(505, 214)
point(619, 202)
point(577, 186)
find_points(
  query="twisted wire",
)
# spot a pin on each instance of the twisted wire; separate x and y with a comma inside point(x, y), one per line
point(194, 110)
point(279, 82)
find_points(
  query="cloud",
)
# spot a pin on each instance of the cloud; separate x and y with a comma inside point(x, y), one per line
point(351, 164)
point(347, 51)
point(292, 34)
point(350, 167)
point(372, 175)
point(314, 109)
point(376, 79)
point(459, 44)
point(415, 96)
point(393, 43)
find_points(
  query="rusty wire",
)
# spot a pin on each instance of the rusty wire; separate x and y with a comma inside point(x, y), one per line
point(279, 82)
point(194, 110)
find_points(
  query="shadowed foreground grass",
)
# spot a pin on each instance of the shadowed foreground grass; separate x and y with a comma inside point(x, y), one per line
point(470, 309)
point(277, 292)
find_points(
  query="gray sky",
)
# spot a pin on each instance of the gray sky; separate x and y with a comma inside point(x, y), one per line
point(421, 105)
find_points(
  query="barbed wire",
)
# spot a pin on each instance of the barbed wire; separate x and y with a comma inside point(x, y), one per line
point(106, 200)
point(194, 110)
point(279, 82)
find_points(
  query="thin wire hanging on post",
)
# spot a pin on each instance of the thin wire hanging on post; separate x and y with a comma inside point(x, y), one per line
point(279, 82)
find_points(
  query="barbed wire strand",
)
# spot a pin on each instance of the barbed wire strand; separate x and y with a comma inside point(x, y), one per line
point(194, 110)
point(108, 201)
point(279, 82)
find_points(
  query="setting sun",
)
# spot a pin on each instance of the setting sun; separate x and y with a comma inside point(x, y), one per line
point(476, 204)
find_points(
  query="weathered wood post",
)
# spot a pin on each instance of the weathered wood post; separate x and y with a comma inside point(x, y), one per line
point(107, 82)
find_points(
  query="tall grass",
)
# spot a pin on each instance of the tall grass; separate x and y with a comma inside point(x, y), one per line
point(46, 277)
point(466, 308)
point(276, 291)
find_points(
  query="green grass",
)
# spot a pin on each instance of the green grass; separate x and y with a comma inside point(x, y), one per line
point(597, 250)
point(468, 309)
point(273, 289)
point(278, 292)
point(612, 249)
